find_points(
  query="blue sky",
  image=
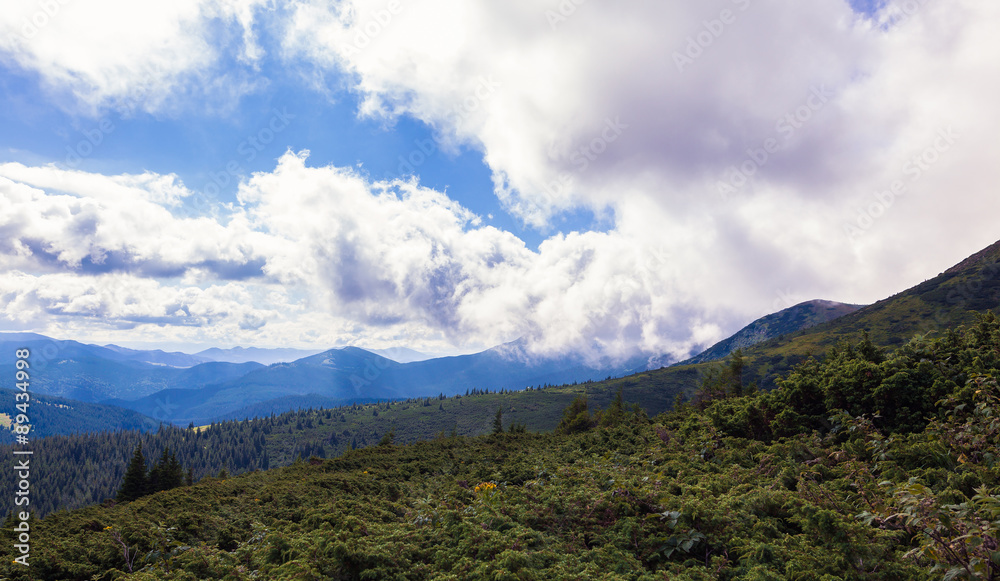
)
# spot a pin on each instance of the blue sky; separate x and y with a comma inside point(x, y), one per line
point(198, 145)
point(595, 178)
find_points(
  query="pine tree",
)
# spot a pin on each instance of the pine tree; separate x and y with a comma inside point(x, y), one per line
point(498, 421)
point(154, 479)
point(735, 369)
point(171, 472)
point(616, 411)
point(135, 484)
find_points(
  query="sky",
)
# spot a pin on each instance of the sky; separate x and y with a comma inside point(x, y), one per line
point(593, 177)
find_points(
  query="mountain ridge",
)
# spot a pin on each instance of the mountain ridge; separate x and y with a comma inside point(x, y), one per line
point(795, 318)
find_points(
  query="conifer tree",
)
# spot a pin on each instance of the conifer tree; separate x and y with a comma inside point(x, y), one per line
point(498, 421)
point(135, 483)
point(616, 411)
point(171, 475)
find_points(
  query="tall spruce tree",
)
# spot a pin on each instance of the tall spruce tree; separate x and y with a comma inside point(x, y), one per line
point(498, 421)
point(167, 473)
point(135, 484)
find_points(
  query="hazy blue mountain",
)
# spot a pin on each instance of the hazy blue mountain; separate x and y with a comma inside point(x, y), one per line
point(345, 374)
point(801, 316)
point(91, 373)
point(248, 354)
point(349, 374)
point(159, 357)
point(506, 366)
point(401, 354)
point(146, 382)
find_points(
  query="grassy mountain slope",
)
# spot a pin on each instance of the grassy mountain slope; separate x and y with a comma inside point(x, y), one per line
point(688, 496)
point(625, 503)
point(948, 300)
point(75, 472)
point(797, 318)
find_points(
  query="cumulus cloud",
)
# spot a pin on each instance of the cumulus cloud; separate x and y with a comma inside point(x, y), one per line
point(59, 220)
point(131, 56)
point(395, 253)
point(354, 260)
point(770, 124)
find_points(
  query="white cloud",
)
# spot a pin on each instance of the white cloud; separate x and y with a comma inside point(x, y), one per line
point(863, 98)
point(389, 254)
point(64, 220)
point(129, 55)
point(352, 261)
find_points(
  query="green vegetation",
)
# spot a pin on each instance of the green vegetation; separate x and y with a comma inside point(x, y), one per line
point(167, 474)
point(75, 471)
point(863, 465)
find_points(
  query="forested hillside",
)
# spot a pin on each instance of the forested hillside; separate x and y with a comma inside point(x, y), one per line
point(74, 471)
point(56, 415)
point(865, 465)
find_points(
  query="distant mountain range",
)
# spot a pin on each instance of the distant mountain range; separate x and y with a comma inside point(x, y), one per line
point(246, 382)
point(158, 357)
point(182, 388)
point(402, 354)
point(350, 374)
point(254, 354)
